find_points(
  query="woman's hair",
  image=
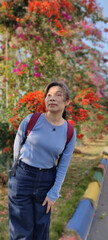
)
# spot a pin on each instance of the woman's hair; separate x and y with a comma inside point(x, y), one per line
point(65, 89)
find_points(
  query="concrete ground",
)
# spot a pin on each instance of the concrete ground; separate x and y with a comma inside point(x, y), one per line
point(99, 227)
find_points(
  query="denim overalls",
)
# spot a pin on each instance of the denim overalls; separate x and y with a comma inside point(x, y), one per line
point(27, 190)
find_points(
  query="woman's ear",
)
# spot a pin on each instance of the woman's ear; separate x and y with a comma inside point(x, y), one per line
point(67, 103)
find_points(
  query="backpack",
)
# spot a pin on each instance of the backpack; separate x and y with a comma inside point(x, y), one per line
point(33, 121)
point(30, 125)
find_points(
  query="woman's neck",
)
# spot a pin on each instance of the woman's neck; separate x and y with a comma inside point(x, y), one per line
point(54, 118)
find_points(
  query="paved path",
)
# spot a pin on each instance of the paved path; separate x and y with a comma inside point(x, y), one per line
point(99, 227)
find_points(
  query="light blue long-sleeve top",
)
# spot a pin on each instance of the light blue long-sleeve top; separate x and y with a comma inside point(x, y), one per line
point(42, 148)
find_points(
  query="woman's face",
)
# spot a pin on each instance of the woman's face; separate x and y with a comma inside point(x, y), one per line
point(55, 100)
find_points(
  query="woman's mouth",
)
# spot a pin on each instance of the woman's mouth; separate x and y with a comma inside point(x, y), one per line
point(52, 104)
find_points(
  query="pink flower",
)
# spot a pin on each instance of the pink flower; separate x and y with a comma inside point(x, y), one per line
point(3, 212)
point(66, 16)
point(36, 68)
point(98, 34)
point(58, 40)
point(13, 46)
point(15, 70)
point(22, 36)
point(49, 20)
point(55, 34)
point(39, 38)
point(76, 48)
point(36, 62)
point(37, 74)
point(19, 68)
point(24, 65)
point(100, 93)
point(53, 51)
point(17, 63)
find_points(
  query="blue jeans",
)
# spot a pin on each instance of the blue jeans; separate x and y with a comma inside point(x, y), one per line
point(27, 190)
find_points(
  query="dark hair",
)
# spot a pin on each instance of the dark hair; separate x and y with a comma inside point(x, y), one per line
point(65, 89)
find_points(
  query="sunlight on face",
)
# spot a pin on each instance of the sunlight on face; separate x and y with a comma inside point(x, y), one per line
point(55, 99)
point(55, 93)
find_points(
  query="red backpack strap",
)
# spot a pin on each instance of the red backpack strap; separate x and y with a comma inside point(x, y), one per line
point(30, 125)
point(32, 122)
point(70, 131)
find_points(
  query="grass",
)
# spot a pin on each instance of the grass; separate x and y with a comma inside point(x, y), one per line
point(80, 173)
point(68, 207)
point(3, 214)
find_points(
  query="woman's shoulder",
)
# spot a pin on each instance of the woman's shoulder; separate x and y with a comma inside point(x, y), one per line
point(26, 120)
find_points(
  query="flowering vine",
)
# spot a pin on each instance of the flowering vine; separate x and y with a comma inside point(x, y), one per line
point(48, 38)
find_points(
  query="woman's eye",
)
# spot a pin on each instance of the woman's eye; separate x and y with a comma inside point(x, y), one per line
point(56, 94)
point(59, 94)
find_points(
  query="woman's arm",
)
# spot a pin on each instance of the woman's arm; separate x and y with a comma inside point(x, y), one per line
point(20, 135)
point(53, 194)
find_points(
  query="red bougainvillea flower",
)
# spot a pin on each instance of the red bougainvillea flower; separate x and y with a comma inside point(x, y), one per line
point(72, 122)
point(80, 136)
point(105, 29)
point(88, 96)
point(32, 102)
point(100, 117)
point(7, 150)
point(83, 114)
point(91, 5)
point(53, 11)
point(8, 141)
point(5, 5)
point(85, 101)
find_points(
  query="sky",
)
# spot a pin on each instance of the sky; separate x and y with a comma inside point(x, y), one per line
point(101, 26)
point(104, 5)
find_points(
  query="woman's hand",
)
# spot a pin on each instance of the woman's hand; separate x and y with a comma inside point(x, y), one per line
point(50, 204)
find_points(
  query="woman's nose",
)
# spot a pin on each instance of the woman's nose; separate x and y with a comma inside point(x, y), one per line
point(52, 98)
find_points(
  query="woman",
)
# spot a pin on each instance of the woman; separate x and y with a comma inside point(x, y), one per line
point(36, 185)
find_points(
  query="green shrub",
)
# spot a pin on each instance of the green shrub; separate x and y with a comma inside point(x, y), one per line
point(4, 127)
